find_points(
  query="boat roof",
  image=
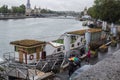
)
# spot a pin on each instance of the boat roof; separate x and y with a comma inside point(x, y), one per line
point(82, 32)
point(27, 43)
point(54, 44)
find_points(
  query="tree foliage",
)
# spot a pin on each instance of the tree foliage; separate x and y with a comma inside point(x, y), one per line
point(20, 9)
point(4, 9)
point(108, 10)
point(47, 11)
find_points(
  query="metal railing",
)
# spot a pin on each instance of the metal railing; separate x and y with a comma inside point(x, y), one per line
point(50, 62)
point(7, 56)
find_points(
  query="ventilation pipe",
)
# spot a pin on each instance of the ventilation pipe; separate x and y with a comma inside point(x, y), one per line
point(111, 27)
point(87, 37)
point(114, 31)
point(67, 40)
point(104, 25)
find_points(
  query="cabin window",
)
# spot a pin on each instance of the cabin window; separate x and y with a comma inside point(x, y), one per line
point(72, 45)
point(15, 48)
point(78, 43)
point(81, 39)
point(73, 38)
point(58, 49)
point(77, 37)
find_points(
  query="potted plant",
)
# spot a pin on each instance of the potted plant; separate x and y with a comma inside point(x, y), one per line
point(94, 49)
point(94, 53)
point(118, 37)
point(113, 43)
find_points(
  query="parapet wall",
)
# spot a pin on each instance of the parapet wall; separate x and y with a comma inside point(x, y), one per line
point(107, 69)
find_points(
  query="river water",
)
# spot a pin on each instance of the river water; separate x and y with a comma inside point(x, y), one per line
point(45, 29)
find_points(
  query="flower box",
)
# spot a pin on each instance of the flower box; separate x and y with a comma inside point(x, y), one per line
point(94, 53)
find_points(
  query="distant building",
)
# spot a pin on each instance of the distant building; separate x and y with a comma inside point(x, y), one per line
point(30, 11)
point(85, 11)
point(36, 11)
point(85, 15)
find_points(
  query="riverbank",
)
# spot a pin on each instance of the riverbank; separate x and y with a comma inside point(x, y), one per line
point(23, 17)
point(15, 17)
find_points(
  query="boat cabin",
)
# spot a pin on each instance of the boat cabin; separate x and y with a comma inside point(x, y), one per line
point(28, 51)
point(94, 34)
point(53, 48)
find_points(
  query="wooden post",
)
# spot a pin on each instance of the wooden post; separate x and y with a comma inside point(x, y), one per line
point(26, 58)
point(37, 53)
point(20, 56)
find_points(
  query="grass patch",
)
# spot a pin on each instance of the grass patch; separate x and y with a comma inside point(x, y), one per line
point(61, 41)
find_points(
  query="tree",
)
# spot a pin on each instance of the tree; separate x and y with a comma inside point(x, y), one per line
point(44, 11)
point(22, 7)
point(108, 10)
point(4, 9)
point(14, 9)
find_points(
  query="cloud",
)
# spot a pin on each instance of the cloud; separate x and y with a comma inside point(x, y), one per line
point(62, 5)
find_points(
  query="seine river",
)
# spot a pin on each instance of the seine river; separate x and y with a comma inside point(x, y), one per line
point(45, 29)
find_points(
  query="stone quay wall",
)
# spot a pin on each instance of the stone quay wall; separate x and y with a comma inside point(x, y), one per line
point(107, 69)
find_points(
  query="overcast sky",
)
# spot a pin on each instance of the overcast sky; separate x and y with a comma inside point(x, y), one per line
point(58, 5)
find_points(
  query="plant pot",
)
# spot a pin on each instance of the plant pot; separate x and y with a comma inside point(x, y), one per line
point(113, 44)
point(94, 53)
point(118, 41)
point(103, 50)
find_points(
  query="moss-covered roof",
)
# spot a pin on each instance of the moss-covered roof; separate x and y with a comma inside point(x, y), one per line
point(27, 43)
point(82, 32)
